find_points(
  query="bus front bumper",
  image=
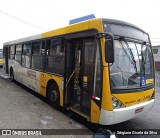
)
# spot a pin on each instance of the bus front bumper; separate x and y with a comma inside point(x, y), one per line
point(124, 114)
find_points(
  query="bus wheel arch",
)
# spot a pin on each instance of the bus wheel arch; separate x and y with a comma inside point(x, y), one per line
point(11, 74)
point(53, 93)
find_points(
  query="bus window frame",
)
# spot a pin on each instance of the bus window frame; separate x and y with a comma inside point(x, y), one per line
point(30, 42)
point(33, 47)
point(38, 54)
point(20, 53)
point(13, 54)
point(61, 38)
point(138, 89)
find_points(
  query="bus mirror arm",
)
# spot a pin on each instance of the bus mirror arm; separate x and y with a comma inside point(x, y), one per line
point(109, 46)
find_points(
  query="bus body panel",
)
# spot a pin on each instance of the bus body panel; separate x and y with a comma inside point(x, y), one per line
point(106, 104)
point(35, 80)
point(133, 98)
point(45, 78)
point(94, 24)
point(124, 114)
point(18, 73)
point(95, 112)
point(31, 79)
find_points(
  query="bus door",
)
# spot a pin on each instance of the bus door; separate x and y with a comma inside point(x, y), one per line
point(69, 73)
point(79, 74)
point(87, 74)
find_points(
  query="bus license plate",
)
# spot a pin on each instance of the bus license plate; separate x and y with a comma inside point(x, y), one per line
point(139, 110)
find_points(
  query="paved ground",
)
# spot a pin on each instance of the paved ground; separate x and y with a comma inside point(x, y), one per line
point(20, 108)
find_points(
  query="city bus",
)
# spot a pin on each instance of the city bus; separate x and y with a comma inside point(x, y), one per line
point(101, 69)
point(1, 57)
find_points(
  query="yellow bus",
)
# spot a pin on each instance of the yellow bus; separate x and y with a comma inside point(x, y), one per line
point(101, 69)
point(1, 57)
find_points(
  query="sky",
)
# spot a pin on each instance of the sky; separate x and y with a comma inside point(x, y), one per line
point(23, 18)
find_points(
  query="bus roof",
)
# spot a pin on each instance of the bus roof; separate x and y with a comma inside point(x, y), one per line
point(96, 23)
point(89, 24)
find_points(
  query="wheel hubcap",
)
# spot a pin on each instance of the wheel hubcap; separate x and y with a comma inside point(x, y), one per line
point(54, 96)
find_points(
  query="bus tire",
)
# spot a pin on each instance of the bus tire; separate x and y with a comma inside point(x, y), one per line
point(11, 74)
point(53, 95)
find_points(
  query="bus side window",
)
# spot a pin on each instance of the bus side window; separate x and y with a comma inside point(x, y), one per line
point(36, 55)
point(55, 56)
point(48, 43)
point(42, 64)
point(26, 55)
point(18, 53)
point(47, 50)
point(12, 52)
point(43, 48)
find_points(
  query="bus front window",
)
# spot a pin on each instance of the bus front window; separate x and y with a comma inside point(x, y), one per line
point(132, 62)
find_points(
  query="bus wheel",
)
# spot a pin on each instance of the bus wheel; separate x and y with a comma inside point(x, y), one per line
point(53, 95)
point(11, 75)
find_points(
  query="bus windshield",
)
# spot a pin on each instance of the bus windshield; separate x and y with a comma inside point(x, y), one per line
point(133, 61)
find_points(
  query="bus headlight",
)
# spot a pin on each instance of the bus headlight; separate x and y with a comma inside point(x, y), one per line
point(116, 103)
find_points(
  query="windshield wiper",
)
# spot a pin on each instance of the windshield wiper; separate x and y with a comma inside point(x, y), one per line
point(131, 53)
point(143, 61)
point(126, 52)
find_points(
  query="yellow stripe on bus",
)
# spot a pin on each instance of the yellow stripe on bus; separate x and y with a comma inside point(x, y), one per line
point(129, 99)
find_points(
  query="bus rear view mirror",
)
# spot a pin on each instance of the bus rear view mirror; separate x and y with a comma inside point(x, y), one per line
point(109, 48)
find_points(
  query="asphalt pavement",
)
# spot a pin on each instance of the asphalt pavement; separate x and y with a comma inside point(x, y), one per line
point(21, 108)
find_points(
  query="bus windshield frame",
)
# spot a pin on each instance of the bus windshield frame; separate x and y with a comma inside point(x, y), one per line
point(125, 30)
point(128, 70)
point(133, 67)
